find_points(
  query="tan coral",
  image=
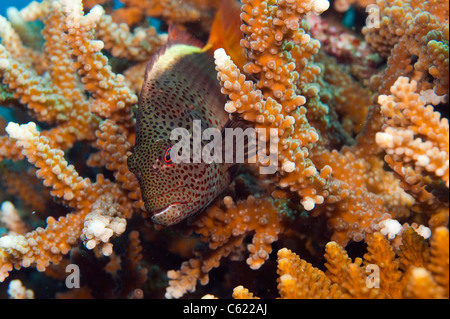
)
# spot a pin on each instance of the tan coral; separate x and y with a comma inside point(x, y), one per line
point(376, 276)
point(410, 29)
point(329, 183)
point(224, 227)
point(414, 135)
point(42, 246)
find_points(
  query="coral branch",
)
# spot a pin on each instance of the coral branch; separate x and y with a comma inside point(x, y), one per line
point(352, 149)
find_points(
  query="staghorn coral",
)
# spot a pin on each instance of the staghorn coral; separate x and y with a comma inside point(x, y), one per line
point(275, 100)
point(17, 291)
point(415, 138)
point(225, 229)
point(11, 219)
point(118, 39)
point(413, 35)
point(171, 11)
point(102, 223)
point(337, 179)
point(377, 275)
point(71, 111)
point(344, 5)
point(282, 103)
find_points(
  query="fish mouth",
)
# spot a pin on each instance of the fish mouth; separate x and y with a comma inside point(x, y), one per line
point(165, 209)
point(171, 214)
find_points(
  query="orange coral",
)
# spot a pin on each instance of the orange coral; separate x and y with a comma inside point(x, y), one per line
point(299, 279)
point(329, 180)
point(111, 95)
point(439, 264)
point(173, 11)
point(34, 197)
point(380, 253)
point(414, 135)
point(110, 134)
point(138, 45)
point(58, 100)
point(350, 100)
point(409, 29)
point(274, 102)
point(43, 246)
point(10, 218)
point(225, 227)
point(344, 5)
point(377, 276)
point(242, 293)
point(62, 89)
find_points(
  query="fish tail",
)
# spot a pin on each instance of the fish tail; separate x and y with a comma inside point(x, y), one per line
point(226, 32)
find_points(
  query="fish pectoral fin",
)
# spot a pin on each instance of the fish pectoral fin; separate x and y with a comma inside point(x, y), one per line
point(131, 163)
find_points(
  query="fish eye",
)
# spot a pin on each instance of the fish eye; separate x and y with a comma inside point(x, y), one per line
point(168, 157)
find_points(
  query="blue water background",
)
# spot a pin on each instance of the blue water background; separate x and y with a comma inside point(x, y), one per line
point(5, 4)
point(19, 4)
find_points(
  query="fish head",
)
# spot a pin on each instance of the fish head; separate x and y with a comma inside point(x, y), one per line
point(172, 190)
point(180, 86)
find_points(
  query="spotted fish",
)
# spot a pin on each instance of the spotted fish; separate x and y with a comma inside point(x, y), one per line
point(180, 86)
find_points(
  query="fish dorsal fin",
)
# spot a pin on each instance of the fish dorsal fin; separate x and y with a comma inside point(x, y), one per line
point(177, 35)
point(226, 32)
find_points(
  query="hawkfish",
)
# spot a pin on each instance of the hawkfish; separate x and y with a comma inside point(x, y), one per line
point(180, 86)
